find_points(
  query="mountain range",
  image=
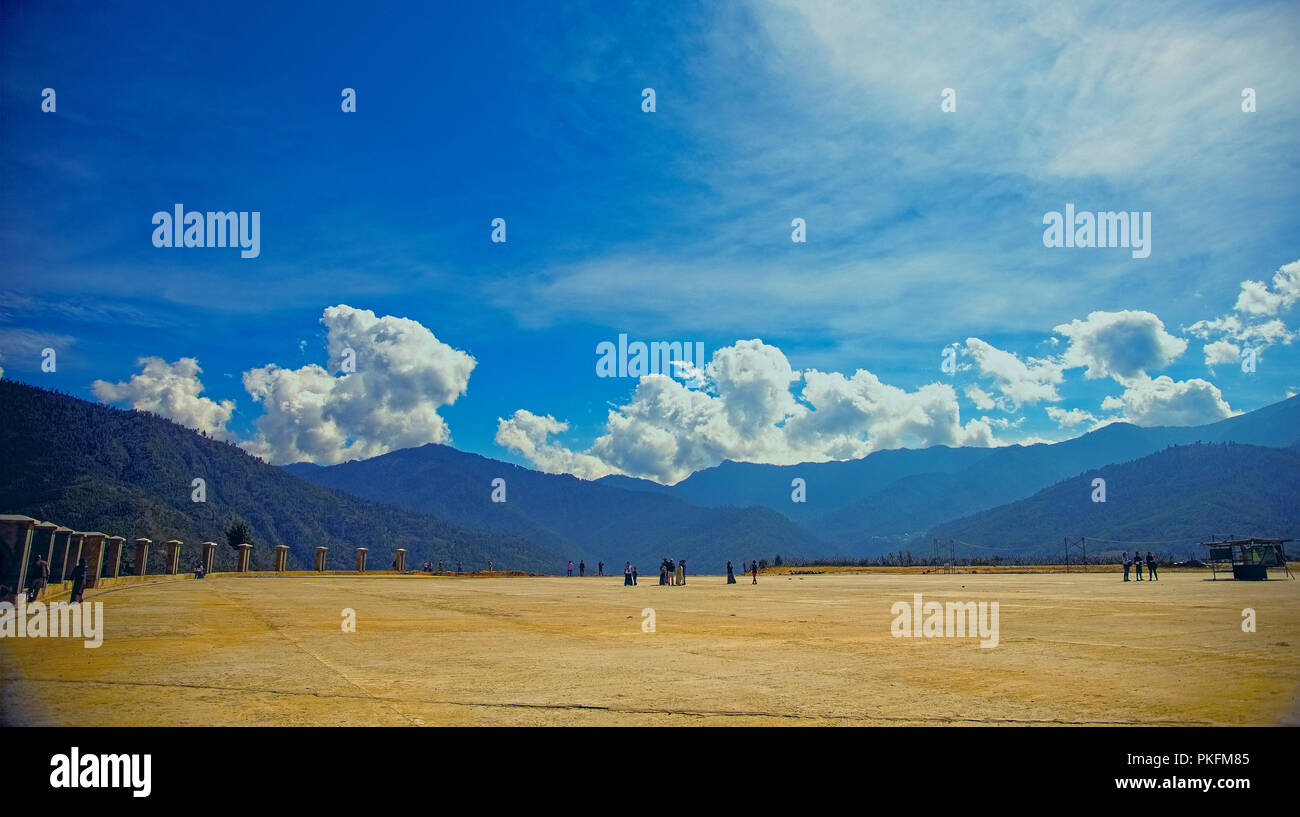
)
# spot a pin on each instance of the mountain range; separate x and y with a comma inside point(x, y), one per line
point(131, 473)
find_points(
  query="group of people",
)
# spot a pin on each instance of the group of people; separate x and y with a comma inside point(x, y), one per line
point(582, 568)
point(38, 576)
point(428, 567)
point(672, 573)
point(731, 572)
point(1136, 564)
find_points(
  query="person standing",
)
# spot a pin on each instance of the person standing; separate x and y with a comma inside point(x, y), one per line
point(731, 574)
point(672, 573)
point(681, 573)
point(634, 575)
point(1137, 564)
point(663, 572)
point(600, 568)
point(1127, 564)
point(1151, 567)
point(570, 567)
point(627, 574)
point(37, 577)
point(754, 568)
point(78, 581)
point(582, 568)
point(489, 565)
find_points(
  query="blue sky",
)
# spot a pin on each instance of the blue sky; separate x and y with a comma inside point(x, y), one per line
point(924, 228)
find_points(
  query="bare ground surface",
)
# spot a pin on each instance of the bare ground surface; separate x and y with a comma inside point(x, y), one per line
point(797, 650)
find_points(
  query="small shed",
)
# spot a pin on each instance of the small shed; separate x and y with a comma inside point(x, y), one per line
point(1250, 558)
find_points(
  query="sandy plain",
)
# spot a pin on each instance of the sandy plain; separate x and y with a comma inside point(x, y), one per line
point(793, 650)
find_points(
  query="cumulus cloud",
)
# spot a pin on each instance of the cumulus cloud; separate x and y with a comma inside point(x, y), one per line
point(749, 412)
point(1255, 323)
point(172, 390)
point(1021, 382)
point(1257, 298)
point(386, 380)
point(1221, 352)
point(982, 399)
point(1165, 401)
point(1072, 417)
point(1122, 345)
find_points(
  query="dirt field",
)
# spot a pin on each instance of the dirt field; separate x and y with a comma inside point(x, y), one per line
point(816, 649)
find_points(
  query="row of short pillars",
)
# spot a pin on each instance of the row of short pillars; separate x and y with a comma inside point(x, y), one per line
point(173, 564)
point(243, 558)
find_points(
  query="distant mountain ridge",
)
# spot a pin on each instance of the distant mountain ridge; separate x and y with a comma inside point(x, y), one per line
point(1166, 501)
point(594, 521)
point(894, 495)
point(862, 507)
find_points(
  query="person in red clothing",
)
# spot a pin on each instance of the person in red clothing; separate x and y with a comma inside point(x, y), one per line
point(754, 569)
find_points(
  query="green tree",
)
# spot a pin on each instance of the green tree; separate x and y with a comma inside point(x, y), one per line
point(238, 533)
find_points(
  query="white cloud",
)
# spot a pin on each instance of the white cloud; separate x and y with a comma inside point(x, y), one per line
point(1122, 345)
point(527, 433)
point(171, 390)
point(1254, 324)
point(403, 375)
point(1256, 298)
point(1070, 418)
point(1165, 401)
point(1021, 382)
point(748, 412)
point(1221, 352)
point(982, 399)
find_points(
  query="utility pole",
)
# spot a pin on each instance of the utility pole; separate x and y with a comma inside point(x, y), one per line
point(935, 553)
point(1083, 549)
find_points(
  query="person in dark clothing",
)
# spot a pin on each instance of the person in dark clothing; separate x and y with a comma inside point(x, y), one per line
point(627, 574)
point(1137, 564)
point(634, 575)
point(672, 573)
point(78, 581)
point(582, 568)
point(37, 577)
point(754, 568)
point(198, 570)
point(731, 575)
point(600, 568)
point(1151, 567)
point(663, 572)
